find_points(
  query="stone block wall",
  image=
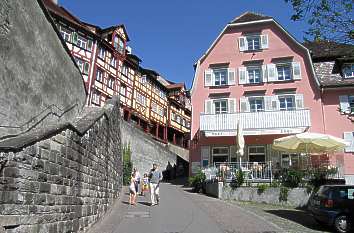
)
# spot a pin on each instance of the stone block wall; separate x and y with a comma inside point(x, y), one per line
point(145, 150)
point(62, 178)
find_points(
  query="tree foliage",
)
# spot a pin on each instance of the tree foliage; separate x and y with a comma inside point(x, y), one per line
point(328, 19)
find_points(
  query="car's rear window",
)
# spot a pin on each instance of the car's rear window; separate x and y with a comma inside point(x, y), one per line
point(323, 191)
point(340, 193)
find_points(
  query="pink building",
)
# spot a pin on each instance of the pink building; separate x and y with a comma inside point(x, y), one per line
point(256, 73)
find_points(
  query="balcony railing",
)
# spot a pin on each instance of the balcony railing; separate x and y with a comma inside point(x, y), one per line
point(299, 118)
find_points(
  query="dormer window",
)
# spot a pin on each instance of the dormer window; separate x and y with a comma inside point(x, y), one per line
point(118, 44)
point(348, 70)
point(253, 42)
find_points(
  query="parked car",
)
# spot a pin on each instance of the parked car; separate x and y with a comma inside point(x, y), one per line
point(334, 205)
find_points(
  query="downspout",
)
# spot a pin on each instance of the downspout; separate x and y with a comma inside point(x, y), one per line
point(323, 113)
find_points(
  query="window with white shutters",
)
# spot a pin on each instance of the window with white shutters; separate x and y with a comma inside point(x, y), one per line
point(220, 106)
point(208, 106)
point(219, 77)
point(296, 70)
point(244, 104)
point(231, 105)
point(242, 75)
point(254, 74)
point(208, 78)
point(287, 102)
point(253, 42)
point(284, 71)
point(256, 104)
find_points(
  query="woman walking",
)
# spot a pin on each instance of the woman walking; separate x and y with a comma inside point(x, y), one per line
point(132, 190)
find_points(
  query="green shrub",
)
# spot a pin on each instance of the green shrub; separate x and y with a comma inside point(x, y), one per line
point(238, 180)
point(275, 184)
point(319, 176)
point(261, 188)
point(292, 178)
point(127, 164)
point(197, 181)
point(283, 195)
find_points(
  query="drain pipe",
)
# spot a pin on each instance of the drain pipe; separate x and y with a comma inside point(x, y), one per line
point(323, 113)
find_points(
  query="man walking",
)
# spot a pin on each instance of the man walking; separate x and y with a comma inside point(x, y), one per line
point(155, 178)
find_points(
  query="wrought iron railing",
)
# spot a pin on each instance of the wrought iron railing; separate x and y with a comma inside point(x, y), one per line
point(252, 171)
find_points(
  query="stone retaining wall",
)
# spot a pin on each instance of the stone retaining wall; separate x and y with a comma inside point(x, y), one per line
point(297, 197)
point(62, 178)
point(145, 150)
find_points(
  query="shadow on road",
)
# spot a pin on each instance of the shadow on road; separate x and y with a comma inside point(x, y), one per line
point(182, 181)
point(300, 217)
point(144, 203)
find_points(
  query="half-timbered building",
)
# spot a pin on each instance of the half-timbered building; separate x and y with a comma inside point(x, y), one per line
point(109, 68)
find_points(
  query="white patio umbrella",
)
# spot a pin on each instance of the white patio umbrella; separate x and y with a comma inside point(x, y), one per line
point(309, 143)
point(240, 141)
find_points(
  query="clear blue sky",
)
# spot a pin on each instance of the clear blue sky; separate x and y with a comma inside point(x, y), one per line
point(170, 35)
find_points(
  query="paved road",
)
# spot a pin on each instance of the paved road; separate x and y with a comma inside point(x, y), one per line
point(181, 212)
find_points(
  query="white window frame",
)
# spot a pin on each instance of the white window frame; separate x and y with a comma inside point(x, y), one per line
point(220, 101)
point(351, 68)
point(219, 71)
point(111, 81)
point(257, 153)
point(253, 37)
point(256, 98)
point(113, 62)
point(81, 42)
point(96, 97)
point(253, 68)
point(286, 103)
point(154, 107)
point(65, 34)
point(123, 89)
point(101, 53)
point(143, 79)
point(278, 65)
point(99, 75)
point(141, 99)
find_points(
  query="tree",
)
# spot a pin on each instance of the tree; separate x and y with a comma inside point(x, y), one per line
point(328, 19)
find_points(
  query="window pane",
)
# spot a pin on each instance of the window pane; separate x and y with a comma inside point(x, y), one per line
point(284, 72)
point(254, 74)
point(220, 77)
point(253, 42)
